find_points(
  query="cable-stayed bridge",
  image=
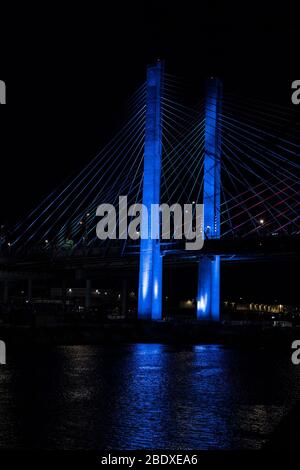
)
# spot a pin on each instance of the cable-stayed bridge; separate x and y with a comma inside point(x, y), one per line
point(238, 157)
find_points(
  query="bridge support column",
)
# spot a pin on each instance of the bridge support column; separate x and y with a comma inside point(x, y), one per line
point(150, 274)
point(88, 293)
point(208, 298)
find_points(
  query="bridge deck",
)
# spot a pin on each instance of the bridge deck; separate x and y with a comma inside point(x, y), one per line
point(51, 260)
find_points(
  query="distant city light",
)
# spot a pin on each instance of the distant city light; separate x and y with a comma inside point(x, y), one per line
point(261, 221)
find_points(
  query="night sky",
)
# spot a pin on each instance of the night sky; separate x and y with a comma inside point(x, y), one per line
point(69, 71)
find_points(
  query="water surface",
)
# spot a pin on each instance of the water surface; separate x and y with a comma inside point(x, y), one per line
point(144, 396)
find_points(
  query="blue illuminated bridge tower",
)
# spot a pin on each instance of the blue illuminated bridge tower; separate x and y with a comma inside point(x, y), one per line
point(150, 276)
point(150, 273)
point(208, 297)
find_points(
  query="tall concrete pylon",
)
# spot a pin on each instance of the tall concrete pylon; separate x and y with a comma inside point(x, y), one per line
point(208, 297)
point(150, 273)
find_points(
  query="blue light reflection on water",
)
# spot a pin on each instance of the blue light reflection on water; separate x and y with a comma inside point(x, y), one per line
point(169, 402)
point(144, 396)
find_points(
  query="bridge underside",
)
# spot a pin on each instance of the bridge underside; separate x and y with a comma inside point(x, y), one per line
point(264, 249)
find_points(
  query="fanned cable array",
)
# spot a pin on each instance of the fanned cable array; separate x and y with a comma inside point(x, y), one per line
point(260, 168)
point(259, 172)
point(69, 212)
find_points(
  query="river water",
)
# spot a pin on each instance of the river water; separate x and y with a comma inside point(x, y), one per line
point(144, 396)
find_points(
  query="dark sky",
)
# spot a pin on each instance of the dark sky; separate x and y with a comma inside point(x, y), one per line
point(69, 69)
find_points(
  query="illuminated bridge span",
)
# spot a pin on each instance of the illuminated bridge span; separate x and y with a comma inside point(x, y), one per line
point(239, 157)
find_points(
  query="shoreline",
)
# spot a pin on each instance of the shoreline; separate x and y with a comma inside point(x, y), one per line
point(181, 333)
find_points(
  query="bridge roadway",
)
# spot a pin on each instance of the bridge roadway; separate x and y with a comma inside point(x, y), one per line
point(50, 262)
